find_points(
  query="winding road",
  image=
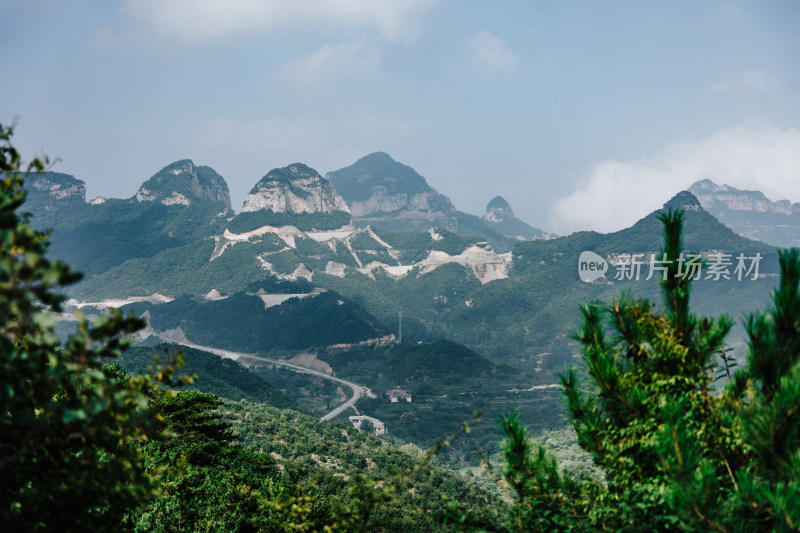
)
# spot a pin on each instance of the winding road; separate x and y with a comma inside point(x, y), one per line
point(358, 391)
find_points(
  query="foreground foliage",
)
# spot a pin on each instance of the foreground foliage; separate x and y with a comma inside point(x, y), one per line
point(68, 459)
point(685, 442)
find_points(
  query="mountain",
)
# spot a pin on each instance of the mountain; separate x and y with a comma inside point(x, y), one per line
point(528, 317)
point(751, 213)
point(296, 188)
point(295, 196)
point(51, 187)
point(180, 204)
point(213, 374)
point(517, 307)
point(332, 296)
point(263, 321)
point(500, 217)
point(498, 210)
point(57, 200)
point(389, 195)
point(182, 183)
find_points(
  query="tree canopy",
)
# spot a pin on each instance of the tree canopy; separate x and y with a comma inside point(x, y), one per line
point(684, 441)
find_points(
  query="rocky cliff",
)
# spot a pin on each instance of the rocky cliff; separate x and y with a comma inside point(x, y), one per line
point(498, 210)
point(751, 213)
point(56, 186)
point(294, 189)
point(383, 192)
point(501, 218)
point(183, 183)
point(56, 198)
point(392, 196)
point(713, 196)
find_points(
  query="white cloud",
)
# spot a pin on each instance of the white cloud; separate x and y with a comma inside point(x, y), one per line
point(752, 81)
point(616, 194)
point(490, 54)
point(203, 20)
point(333, 63)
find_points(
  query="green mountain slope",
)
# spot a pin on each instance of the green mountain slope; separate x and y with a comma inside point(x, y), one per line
point(214, 375)
point(524, 316)
point(448, 383)
point(528, 318)
point(331, 455)
point(182, 205)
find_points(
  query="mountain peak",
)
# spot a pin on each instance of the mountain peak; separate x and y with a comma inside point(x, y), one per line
point(376, 157)
point(182, 182)
point(498, 210)
point(684, 200)
point(56, 185)
point(296, 188)
point(716, 197)
point(376, 185)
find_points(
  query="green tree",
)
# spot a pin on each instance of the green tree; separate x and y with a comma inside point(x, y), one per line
point(644, 368)
point(758, 439)
point(210, 484)
point(677, 451)
point(66, 460)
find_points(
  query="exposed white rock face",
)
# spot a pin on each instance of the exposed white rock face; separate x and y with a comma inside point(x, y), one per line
point(383, 202)
point(335, 269)
point(709, 193)
point(294, 189)
point(155, 298)
point(498, 210)
point(492, 215)
point(176, 198)
point(214, 295)
point(486, 265)
point(97, 201)
point(143, 195)
point(228, 239)
point(183, 182)
point(60, 190)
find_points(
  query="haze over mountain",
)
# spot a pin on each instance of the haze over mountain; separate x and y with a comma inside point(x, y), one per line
point(179, 204)
point(294, 277)
point(513, 307)
point(389, 195)
point(751, 213)
point(502, 219)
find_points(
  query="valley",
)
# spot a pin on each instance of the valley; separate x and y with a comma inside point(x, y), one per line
point(295, 266)
point(308, 274)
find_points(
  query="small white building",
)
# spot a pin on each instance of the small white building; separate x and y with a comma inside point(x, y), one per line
point(377, 426)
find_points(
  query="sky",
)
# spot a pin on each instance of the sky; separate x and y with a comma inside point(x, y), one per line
point(584, 115)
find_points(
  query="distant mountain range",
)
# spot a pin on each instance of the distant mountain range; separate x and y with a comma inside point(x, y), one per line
point(385, 194)
point(379, 192)
point(178, 237)
point(751, 214)
point(320, 268)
